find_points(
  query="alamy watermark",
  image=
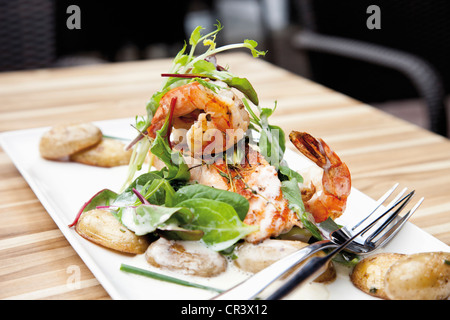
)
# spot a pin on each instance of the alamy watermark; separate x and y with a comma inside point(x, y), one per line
point(374, 20)
point(213, 145)
point(73, 281)
point(74, 20)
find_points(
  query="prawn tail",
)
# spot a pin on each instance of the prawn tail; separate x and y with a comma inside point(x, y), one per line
point(329, 199)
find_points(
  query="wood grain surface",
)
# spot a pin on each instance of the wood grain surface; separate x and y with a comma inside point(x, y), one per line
point(36, 259)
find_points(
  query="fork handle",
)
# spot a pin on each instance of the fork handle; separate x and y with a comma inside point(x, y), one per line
point(307, 273)
point(250, 288)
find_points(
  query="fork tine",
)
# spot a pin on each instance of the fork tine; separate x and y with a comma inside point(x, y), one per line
point(377, 205)
point(388, 235)
point(400, 194)
point(315, 266)
point(402, 202)
point(393, 203)
point(405, 201)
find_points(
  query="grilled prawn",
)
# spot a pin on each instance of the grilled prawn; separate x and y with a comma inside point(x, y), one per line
point(258, 182)
point(327, 198)
point(214, 121)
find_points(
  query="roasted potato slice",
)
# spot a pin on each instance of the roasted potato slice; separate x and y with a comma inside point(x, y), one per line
point(421, 276)
point(369, 274)
point(107, 153)
point(187, 257)
point(101, 227)
point(63, 140)
point(255, 257)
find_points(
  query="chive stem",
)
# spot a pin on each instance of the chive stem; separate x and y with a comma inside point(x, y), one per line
point(162, 277)
point(115, 138)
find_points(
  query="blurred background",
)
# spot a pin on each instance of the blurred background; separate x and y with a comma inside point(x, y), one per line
point(401, 66)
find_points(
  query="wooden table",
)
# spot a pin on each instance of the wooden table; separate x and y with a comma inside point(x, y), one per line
point(378, 148)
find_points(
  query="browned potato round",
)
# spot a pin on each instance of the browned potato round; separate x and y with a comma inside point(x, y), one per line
point(63, 140)
point(421, 276)
point(107, 153)
point(255, 257)
point(101, 227)
point(187, 257)
point(369, 274)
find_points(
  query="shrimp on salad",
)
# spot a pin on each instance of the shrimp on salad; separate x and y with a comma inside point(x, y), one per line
point(215, 121)
point(258, 182)
point(184, 201)
point(327, 198)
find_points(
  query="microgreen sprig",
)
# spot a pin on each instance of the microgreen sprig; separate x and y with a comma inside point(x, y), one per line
point(183, 66)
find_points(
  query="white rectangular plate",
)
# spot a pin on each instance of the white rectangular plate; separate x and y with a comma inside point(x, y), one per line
point(63, 187)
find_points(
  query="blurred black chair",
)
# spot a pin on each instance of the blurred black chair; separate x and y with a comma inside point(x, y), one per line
point(108, 26)
point(34, 34)
point(27, 34)
point(422, 75)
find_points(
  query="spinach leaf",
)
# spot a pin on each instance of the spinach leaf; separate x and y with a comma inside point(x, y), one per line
point(272, 141)
point(191, 213)
point(207, 69)
point(176, 168)
point(195, 191)
point(173, 232)
point(218, 220)
point(152, 186)
point(288, 173)
point(291, 192)
point(244, 86)
point(186, 63)
point(145, 219)
point(102, 198)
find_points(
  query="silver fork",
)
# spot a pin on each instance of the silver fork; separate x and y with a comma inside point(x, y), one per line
point(349, 238)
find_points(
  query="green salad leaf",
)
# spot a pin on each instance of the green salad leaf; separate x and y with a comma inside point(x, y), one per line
point(218, 220)
point(291, 192)
point(272, 140)
point(145, 184)
point(193, 212)
point(185, 66)
point(244, 86)
point(104, 197)
point(286, 173)
point(164, 201)
point(199, 191)
point(145, 219)
point(176, 167)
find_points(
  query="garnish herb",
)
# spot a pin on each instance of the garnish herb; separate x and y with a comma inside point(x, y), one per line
point(162, 277)
point(102, 198)
point(176, 168)
point(272, 140)
point(196, 191)
point(183, 67)
point(193, 212)
point(163, 201)
point(292, 193)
